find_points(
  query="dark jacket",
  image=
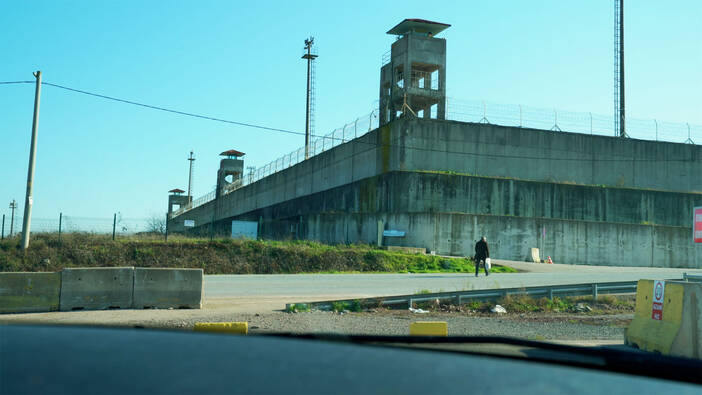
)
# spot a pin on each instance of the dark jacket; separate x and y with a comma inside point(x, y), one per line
point(481, 249)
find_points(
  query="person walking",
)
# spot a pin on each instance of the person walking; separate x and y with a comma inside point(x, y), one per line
point(482, 252)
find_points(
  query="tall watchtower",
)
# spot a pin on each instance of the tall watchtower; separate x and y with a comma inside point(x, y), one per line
point(414, 79)
point(231, 166)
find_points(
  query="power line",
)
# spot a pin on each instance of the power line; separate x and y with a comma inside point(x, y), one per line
point(250, 125)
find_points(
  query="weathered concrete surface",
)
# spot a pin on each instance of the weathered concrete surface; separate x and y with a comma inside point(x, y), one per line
point(29, 292)
point(543, 155)
point(511, 237)
point(679, 331)
point(602, 199)
point(168, 288)
point(97, 288)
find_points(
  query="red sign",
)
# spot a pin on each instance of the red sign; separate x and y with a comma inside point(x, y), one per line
point(658, 293)
point(697, 225)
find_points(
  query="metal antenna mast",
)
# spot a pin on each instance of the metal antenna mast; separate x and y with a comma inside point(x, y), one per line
point(309, 111)
point(191, 159)
point(619, 108)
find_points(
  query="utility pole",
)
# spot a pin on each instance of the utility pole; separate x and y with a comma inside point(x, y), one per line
point(13, 206)
point(310, 57)
point(28, 201)
point(2, 233)
point(191, 159)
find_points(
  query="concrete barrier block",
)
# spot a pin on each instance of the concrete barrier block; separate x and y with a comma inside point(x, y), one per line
point(168, 288)
point(673, 328)
point(29, 292)
point(236, 328)
point(97, 288)
point(429, 328)
point(688, 342)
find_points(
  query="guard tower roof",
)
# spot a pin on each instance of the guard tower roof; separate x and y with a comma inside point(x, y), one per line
point(419, 26)
point(232, 152)
point(176, 190)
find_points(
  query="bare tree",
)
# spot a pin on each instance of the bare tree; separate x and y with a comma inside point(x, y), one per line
point(156, 224)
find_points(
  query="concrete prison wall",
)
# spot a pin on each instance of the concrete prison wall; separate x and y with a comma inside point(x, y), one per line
point(608, 200)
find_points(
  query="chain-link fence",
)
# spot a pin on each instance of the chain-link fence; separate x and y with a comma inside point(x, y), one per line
point(478, 111)
point(75, 224)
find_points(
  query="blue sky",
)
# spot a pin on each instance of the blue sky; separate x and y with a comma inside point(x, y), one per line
point(241, 61)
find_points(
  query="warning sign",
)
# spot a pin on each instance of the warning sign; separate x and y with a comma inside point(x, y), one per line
point(697, 225)
point(658, 295)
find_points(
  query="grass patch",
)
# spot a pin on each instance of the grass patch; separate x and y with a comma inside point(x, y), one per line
point(607, 304)
point(354, 306)
point(297, 308)
point(222, 256)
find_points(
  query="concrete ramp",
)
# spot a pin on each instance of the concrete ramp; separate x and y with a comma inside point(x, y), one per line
point(168, 288)
point(29, 292)
point(97, 288)
point(668, 318)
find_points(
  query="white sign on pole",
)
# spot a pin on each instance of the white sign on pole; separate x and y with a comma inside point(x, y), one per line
point(658, 298)
point(189, 223)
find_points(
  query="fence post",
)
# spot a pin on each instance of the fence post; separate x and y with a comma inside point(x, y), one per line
point(60, 221)
point(594, 292)
point(520, 115)
point(114, 226)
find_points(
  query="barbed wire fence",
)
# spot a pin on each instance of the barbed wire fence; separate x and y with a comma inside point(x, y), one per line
point(62, 223)
point(528, 117)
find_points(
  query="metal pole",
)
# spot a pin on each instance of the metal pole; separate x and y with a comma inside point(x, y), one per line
point(60, 220)
point(190, 176)
point(13, 206)
point(2, 233)
point(310, 57)
point(167, 223)
point(622, 128)
point(28, 201)
point(114, 226)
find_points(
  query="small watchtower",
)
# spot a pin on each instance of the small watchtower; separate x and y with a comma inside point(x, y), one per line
point(176, 198)
point(232, 165)
point(414, 77)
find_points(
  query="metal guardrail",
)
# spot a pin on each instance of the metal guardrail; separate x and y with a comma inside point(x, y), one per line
point(692, 277)
point(460, 297)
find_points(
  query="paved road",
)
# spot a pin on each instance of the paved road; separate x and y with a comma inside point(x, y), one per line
point(236, 297)
point(310, 287)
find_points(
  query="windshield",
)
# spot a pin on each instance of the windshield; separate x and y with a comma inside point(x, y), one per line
point(458, 169)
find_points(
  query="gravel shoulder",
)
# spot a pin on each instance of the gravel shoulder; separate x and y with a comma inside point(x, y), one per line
point(564, 328)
